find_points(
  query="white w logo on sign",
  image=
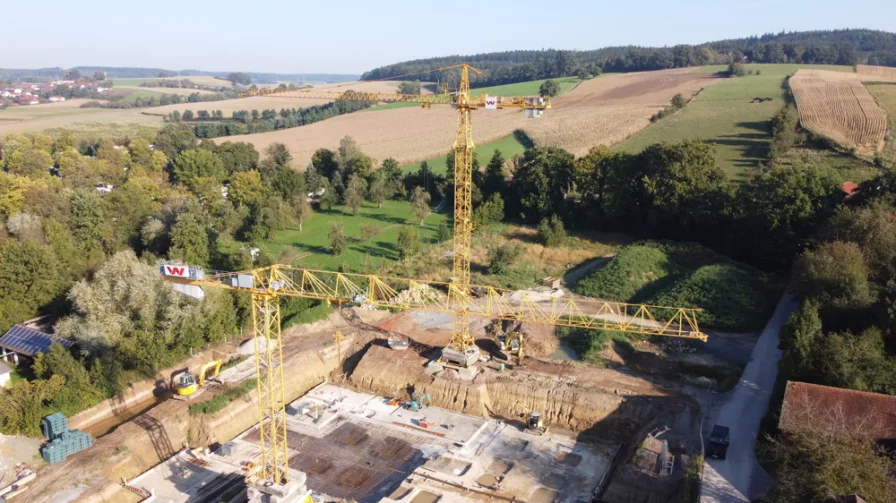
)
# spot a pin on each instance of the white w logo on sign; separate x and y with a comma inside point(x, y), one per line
point(491, 103)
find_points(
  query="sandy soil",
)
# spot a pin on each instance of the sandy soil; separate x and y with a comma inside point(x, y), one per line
point(600, 111)
point(837, 105)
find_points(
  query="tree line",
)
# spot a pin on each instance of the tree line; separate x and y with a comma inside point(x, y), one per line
point(212, 124)
point(843, 47)
point(158, 101)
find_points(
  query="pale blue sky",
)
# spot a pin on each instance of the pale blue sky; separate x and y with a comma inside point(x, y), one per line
point(351, 36)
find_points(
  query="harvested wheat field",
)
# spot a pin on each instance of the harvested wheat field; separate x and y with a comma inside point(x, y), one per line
point(876, 73)
point(837, 105)
point(183, 91)
point(203, 80)
point(605, 110)
point(388, 86)
point(31, 112)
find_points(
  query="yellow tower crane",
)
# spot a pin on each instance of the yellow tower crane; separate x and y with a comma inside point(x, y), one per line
point(267, 284)
point(462, 348)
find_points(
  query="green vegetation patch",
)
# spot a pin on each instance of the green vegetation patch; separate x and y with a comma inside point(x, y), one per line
point(635, 267)
point(733, 296)
point(589, 344)
point(298, 311)
point(310, 247)
point(529, 88)
point(511, 145)
point(729, 116)
point(218, 403)
point(885, 95)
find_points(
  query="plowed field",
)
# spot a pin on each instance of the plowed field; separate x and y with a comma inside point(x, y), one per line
point(605, 110)
point(838, 106)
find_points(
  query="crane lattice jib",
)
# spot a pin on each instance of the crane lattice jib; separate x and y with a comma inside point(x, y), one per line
point(478, 101)
point(477, 301)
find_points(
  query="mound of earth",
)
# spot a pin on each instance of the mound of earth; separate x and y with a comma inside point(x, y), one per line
point(733, 296)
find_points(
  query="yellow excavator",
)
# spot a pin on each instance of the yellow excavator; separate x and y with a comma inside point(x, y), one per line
point(532, 421)
point(511, 344)
point(189, 386)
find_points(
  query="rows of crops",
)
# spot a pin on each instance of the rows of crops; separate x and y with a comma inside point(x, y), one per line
point(839, 107)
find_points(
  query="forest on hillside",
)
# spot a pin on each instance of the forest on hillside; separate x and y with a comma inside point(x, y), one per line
point(841, 47)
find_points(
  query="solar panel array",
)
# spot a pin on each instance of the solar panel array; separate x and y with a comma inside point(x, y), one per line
point(29, 341)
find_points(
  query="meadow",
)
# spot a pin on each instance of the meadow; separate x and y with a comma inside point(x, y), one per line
point(309, 248)
point(885, 95)
point(726, 116)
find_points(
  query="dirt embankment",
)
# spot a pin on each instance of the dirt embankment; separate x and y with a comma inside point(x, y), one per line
point(143, 442)
point(568, 395)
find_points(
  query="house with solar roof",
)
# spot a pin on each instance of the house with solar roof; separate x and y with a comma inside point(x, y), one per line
point(24, 341)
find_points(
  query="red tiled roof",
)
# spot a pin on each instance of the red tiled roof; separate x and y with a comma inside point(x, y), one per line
point(838, 411)
point(849, 188)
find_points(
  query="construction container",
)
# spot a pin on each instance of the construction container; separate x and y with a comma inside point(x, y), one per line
point(54, 425)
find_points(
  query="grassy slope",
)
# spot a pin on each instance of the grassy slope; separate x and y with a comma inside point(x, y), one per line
point(723, 115)
point(885, 95)
point(510, 145)
point(309, 247)
point(529, 88)
point(732, 296)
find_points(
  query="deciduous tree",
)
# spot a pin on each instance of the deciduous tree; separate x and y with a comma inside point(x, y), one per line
point(338, 242)
point(420, 203)
point(197, 163)
point(408, 241)
point(354, 193)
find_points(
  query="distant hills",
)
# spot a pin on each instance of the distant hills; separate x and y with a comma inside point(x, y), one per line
point(138, 73)
point(842, 47)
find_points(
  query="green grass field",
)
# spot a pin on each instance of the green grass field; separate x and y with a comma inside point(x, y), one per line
point(723, 115)
point(733, 296)
point(309, 247)
point(529, 88)
point(885, 95)
point(509, 146)
point(129, 82)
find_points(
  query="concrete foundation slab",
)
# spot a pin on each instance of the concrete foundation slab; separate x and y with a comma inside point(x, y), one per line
point(357, 447)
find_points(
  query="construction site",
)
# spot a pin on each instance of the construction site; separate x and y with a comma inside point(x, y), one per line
point(365, 420)
point(413, 391)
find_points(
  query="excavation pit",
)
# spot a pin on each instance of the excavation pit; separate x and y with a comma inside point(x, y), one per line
point(360, 448)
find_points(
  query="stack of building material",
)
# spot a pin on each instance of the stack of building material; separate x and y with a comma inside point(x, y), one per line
point(63, 441)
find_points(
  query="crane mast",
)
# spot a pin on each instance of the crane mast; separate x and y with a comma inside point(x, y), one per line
point(461, 340)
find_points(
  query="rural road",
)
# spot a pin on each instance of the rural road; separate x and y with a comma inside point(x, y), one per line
point(740, 478)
